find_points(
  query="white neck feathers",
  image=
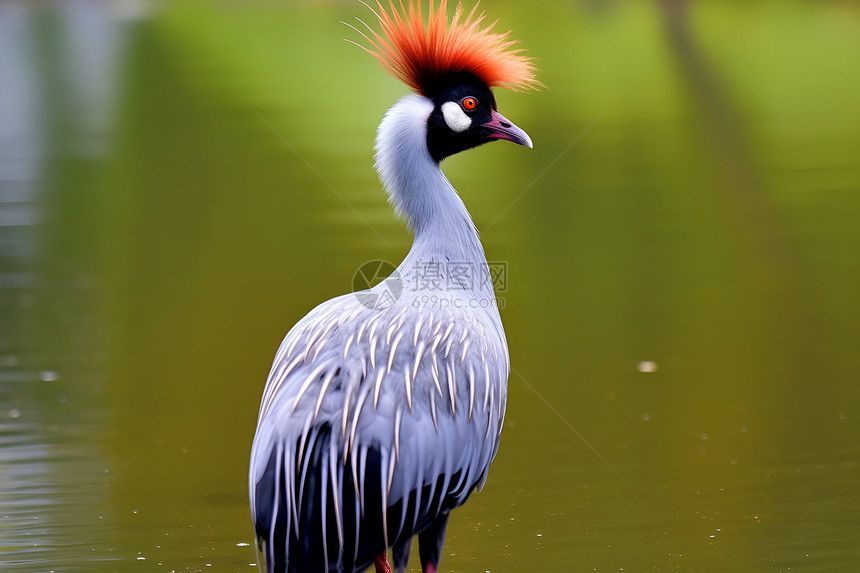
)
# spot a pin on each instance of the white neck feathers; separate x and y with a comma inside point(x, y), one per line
point(416, 186)
point(444, 232)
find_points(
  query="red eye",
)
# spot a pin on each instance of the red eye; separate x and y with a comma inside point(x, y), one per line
point(469, 103)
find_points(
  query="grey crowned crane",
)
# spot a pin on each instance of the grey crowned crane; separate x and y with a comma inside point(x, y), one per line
point(382, 414)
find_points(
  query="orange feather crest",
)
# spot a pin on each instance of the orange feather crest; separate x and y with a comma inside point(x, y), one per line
point(419, 55)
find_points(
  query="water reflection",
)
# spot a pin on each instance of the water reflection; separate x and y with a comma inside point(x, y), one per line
point(696, 325)
point(59, 63)
point(52, 494)
point(21, 142)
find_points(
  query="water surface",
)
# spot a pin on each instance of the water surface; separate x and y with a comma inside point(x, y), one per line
point(178, 187)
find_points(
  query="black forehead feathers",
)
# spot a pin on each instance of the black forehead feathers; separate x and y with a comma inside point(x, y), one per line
point(457, 85)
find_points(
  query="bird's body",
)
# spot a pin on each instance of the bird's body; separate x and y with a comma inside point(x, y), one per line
point(383, 410)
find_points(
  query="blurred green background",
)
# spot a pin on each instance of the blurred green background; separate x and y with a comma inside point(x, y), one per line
point(181, 182)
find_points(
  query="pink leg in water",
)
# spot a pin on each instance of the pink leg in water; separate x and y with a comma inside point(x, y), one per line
point(381, 563)
point(430, 568)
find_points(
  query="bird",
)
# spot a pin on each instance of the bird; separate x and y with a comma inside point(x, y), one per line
point(383, 408)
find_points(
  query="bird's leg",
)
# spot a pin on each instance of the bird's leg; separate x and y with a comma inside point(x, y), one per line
point(430, 542)
point(381, 563)
point(400, 555)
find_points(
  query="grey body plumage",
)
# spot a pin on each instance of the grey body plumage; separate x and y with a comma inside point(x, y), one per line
point(418, 386)
point(383, 410)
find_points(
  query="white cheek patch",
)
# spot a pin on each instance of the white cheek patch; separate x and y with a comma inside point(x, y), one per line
point(455, 117)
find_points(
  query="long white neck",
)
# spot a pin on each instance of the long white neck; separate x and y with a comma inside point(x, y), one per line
point(418, 189)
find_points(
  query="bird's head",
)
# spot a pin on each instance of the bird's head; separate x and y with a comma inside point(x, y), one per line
point(455, 67)
point(465, 116)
